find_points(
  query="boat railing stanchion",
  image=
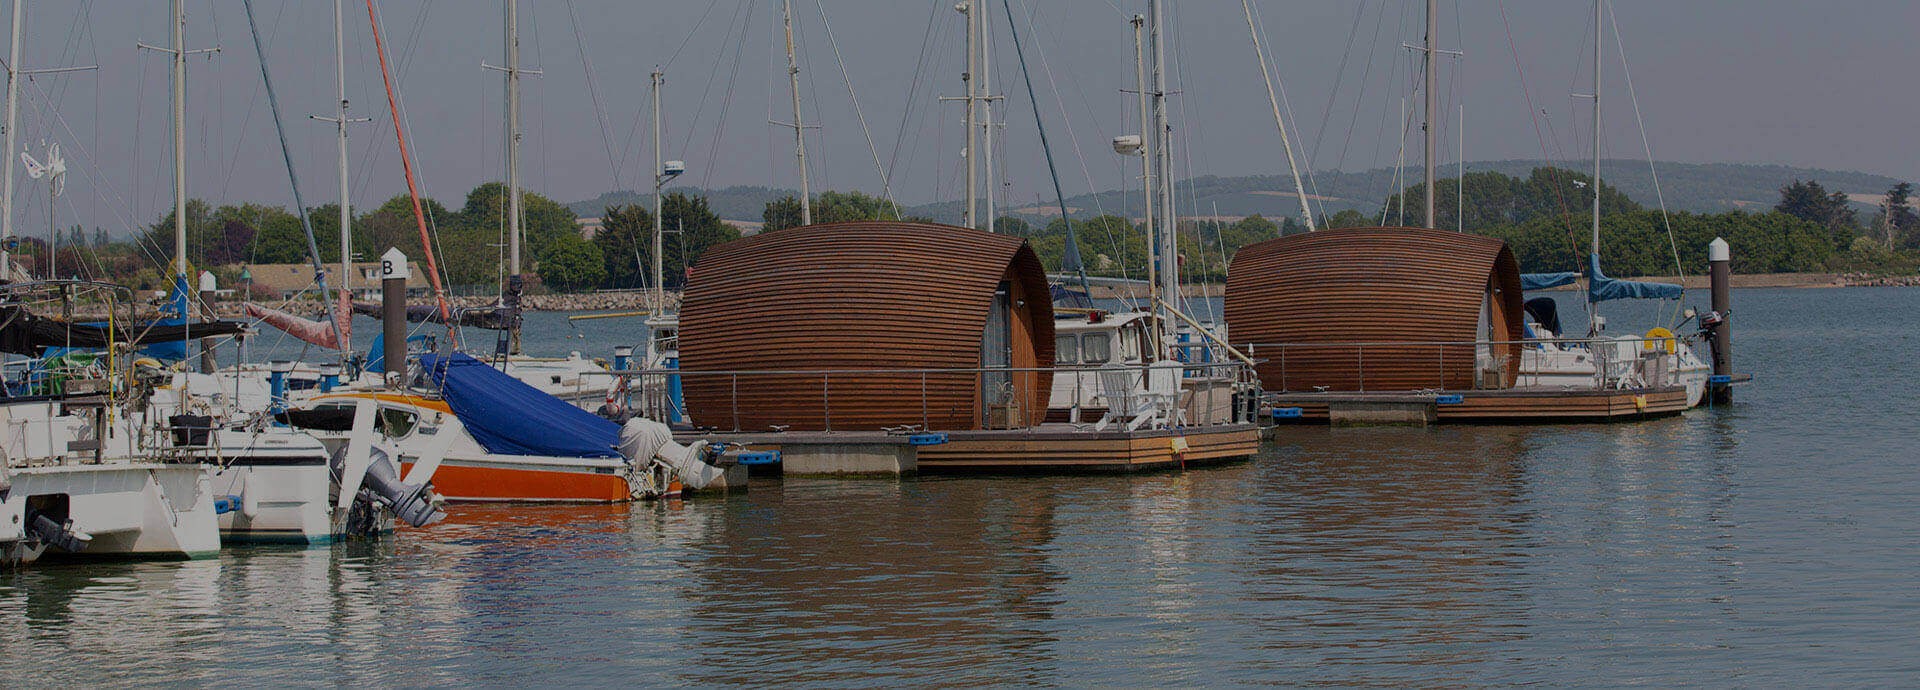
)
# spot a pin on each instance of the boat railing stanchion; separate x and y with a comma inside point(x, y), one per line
point(734, 382)
point(1283, 368)
point(826, 399)
point(924, 426)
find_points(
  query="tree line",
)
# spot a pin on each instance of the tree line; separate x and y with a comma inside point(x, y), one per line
point(1543, 217)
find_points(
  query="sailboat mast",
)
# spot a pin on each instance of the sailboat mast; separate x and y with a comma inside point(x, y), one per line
point(1169, 252)
point(968, 77)
point(1146, 142)
point(13, 113)
point(513, 137)
point(986, 125)
point(799, 130)
point(1426, 127)
point(1286, 141)
point(340, 126)
point(659, 270)
point(179, 147)
point(1593, 313)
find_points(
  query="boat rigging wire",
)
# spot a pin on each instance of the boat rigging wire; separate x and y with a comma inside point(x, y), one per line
point(1627, 72)
point(1071, 254)
point(886, 184)
point(293, 180)
point(406, 163)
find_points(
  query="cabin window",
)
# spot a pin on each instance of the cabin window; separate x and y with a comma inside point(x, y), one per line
point(665, 340)
point(1096, 348)
point(1066, 350)
point(396, 423)
point(1130, 342)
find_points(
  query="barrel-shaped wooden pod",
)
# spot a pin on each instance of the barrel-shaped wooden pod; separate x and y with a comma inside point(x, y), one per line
point(828, 304)
point(1377, 309)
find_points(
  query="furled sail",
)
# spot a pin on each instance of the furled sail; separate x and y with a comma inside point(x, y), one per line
point(24, 333)
point(309, 330)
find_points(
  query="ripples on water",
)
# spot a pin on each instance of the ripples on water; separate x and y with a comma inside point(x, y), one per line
point(1769, 543)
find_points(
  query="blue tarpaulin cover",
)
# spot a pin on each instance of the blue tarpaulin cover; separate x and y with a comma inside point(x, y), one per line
point(1600, 288)
point(1541, 281)
point(512, 418)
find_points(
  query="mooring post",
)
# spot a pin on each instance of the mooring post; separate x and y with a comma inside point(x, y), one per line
point(208, 285)
point(1720, 272)
point(393, 315)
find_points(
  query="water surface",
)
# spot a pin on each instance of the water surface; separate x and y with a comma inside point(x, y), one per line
point(1770, 542)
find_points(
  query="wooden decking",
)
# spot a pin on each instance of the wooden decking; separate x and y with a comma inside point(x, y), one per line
point(1511, 405)
point(1064, 448)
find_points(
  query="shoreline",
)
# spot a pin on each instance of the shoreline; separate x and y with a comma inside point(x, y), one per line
point(642, 301)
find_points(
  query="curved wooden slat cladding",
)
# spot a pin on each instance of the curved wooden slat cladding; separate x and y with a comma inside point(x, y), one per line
point(865, 295)
point(1322, 292)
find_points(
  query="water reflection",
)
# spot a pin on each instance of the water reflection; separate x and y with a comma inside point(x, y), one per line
point(1755, 543)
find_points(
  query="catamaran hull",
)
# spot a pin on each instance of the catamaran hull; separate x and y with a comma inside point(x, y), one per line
point(135, 510)
point(287, 502)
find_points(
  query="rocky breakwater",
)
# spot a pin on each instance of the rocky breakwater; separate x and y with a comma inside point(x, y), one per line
point(1866, 280)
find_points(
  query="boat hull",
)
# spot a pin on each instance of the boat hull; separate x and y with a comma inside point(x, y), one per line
point(131, 510)
point(529, 479)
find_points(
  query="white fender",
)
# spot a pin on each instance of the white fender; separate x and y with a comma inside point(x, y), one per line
point(249, 503)
point(436, 451)
point(358, 457)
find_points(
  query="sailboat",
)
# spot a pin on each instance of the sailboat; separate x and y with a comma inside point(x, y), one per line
point(1548, 360)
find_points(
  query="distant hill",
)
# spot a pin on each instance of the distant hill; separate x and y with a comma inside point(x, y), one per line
point(742, 202)
point(1699, 187)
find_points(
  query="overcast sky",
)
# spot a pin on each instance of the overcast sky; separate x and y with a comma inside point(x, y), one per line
point(1815, 84)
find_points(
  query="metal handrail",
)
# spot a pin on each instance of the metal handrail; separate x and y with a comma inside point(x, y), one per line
point(1608, 371)
point(1240, 378)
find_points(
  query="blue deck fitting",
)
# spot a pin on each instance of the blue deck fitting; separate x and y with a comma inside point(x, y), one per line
point(771, 457)
point(1288, 413)
point(226, 504)
point(1453, 399)
point(926, 439)
point(1719, 378)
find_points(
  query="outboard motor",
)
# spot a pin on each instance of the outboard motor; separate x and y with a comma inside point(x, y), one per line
point(56, 534)
point(643, 439)
point(382, 487)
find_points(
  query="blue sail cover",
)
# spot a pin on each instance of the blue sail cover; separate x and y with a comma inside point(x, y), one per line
point(1600, 288)
point(512, 418)
point(1541, 281)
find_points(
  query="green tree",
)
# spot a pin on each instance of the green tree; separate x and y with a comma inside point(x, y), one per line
point(694, 229)
point(1009, 225)
point(780, 214)
point(1810, 202)
point(625, 240)
point(570, 263)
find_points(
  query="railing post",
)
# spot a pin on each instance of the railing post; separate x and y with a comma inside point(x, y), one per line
point(734, 381)
point(826, 400)
point(1443, 366)
point(1283, 368)
point(925, 421)
point(1361, 354)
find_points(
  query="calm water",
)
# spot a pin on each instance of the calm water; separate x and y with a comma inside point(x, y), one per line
point(1770, 542)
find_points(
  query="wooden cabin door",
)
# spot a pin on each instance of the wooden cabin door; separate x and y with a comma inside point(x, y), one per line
point(996, 352)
